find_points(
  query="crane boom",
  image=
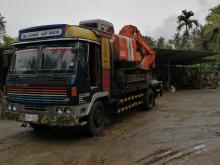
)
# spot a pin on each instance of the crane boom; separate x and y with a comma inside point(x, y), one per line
point(148, 53)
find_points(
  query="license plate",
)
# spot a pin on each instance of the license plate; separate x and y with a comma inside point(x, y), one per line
point(31, 118)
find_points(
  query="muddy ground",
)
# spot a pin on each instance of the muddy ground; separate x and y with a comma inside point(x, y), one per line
point(184, 128)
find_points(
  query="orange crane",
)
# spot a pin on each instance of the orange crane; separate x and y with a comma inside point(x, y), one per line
point(148, 54)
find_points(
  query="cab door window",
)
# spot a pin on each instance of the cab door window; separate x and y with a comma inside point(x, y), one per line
point(94, 64)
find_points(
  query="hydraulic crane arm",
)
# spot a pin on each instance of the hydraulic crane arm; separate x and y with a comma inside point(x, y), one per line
point(148, 53)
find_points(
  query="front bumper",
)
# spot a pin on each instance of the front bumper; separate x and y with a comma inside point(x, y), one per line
point(45, 119)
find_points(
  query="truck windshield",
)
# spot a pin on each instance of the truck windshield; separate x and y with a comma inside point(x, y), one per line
point(58, 59)
point(51, 58)
point(24, 61)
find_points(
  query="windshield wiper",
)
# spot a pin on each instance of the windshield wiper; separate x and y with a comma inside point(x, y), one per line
point(13, 77)
point(58, 77)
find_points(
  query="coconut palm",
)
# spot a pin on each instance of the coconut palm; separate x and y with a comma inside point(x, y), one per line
point(185, 21)
point(161, 43)
point(177, 41)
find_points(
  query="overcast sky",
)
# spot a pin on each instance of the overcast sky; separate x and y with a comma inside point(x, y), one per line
point(154, 18)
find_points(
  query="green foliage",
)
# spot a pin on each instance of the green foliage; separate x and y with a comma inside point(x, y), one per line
point(161, 43)
point(198, 41)
point(185, 21)
point(177, 41)
point(212, 29)
point(7, 41)
point(185, 39)
point(150, 41)
point(195, 36)
point(169, 44)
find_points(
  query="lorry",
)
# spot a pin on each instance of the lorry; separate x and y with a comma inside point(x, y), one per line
point(66, 75)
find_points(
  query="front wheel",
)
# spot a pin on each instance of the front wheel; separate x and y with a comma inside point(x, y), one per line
point(149, 99)
point(96, 119)
point(38, 127)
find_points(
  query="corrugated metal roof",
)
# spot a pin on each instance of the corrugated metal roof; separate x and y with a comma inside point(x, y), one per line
point(180, 57)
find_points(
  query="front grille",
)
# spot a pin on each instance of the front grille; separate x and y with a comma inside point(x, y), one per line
point(34, 108)
point(37, 95)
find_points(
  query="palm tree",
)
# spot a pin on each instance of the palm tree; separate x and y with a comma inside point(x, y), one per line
point(184, 21)
point(212, 28)
point(199, 42)
point(161, 43)
point(177, 41)
point(170, 44)
point(150, 41)
point(2, 26)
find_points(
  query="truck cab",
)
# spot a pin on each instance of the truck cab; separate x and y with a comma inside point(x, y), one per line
point(56, 75)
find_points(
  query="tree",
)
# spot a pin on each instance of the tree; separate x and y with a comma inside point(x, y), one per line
point(177, 41)
point(185, 21)
point(7, 41)
point(161, 44)
point(212, 29)
point(150, 40)
point(2, 26)
point(169, 44)
point(199, 41)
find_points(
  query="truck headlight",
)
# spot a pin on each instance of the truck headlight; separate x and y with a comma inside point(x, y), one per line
point(9, 107)
point(14, 108)
point(59, 110)
point(67, 110)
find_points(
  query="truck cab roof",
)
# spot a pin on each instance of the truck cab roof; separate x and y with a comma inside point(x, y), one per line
point(55, 32)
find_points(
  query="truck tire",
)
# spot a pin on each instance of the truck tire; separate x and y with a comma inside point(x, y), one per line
point(149, 99)
point(96, 119)
point(38, 127)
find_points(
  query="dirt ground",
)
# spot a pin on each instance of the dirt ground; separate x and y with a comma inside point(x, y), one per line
point(184, 128)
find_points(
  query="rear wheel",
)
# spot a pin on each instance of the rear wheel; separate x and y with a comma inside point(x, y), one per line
point(96, 119)
point(149, 99)
point(38, 127)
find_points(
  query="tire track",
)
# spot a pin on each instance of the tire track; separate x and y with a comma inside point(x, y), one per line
point(165, 156)
point(95, 160)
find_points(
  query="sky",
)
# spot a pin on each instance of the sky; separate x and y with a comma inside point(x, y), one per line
point(154, 18)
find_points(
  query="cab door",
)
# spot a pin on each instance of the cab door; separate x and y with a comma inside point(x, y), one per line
point(94, 61)
point(82, 79)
